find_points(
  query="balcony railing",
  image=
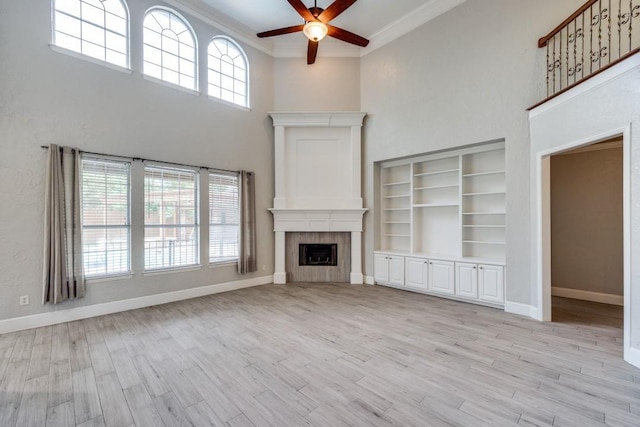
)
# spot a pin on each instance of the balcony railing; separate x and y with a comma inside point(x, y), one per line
point(598, 35)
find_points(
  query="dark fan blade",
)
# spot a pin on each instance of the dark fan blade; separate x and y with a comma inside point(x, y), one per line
point(280, 31)
point(312, 50)
point(335, 9)
point(346, 36)
point(302, 10)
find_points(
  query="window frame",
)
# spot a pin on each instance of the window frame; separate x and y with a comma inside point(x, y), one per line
point(247, 74)
point(197, 220)
point(80, 54)
point(128, 226)
point(196, 56)
point(223, 260)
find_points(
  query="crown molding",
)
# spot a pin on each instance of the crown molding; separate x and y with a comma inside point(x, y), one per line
point(287, 49)
point(425, 13)
point(224, 24)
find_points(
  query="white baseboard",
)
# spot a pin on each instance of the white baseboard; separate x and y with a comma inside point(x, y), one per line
point(634, 357)
point(369, 280)
point(521, 309)
point(587, 296)
point(77, 313)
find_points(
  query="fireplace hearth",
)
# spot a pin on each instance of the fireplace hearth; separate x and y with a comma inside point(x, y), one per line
point(315, 254)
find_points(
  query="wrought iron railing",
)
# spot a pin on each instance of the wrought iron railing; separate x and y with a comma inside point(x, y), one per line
point(598, 35)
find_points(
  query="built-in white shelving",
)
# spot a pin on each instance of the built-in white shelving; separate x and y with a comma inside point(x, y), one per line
point(442, 224)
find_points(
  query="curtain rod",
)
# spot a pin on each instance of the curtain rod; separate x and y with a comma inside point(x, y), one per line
point(46, 147)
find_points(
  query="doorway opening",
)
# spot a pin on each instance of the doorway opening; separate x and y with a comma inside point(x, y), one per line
point(584, 249)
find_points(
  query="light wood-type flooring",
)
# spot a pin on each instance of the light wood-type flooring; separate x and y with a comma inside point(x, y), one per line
point(322, 355)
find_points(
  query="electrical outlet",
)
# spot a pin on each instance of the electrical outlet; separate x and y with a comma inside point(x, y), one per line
point(264, 267)
point(24, 300)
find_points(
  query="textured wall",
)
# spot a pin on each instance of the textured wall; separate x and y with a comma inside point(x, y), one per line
point(48, 97)
point(464, 78)
point(331, 84)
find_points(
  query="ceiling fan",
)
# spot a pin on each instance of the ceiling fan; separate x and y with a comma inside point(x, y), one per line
point(317, 26)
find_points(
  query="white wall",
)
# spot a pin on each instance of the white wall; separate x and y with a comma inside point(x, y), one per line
point(464, 78)
point(586, 221)
point(331, 84)
point(48, 97)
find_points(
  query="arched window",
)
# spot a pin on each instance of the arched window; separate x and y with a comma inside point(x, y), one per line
point(170, 48)
point(96, 28)
point(228, 71)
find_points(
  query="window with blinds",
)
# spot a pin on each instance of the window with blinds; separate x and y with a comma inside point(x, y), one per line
point(224, 216)
point(106, 226)
point(170, 217)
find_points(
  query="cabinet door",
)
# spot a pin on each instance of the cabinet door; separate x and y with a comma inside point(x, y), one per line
point(381, 268)
point(441, 277)
point(416, 273)
point(491, 283)
point(466, 280)
point(396, 270)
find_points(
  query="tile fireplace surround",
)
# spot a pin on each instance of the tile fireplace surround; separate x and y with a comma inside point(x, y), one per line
point(318, 181)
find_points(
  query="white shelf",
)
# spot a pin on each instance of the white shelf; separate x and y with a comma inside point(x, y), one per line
point(484, 213)
point(396, 235)
point(398, 196)
point(486, 193)
point(396, 222)
point(436, 205)
point(397, 183)
point(437, 172)
point(396, 209)
point(436, 187)
point(483, 242)
point(483, 173)
point(483, 226)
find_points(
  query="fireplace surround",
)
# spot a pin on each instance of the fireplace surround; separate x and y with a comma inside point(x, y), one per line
point(318, 181)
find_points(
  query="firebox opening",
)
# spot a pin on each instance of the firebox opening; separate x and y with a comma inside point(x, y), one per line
point(318, 254)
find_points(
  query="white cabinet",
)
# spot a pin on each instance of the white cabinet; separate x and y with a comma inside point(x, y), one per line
point(491, 283)
point(417, 273)
point(389, 269)
point(466, 280)
point(441, 277)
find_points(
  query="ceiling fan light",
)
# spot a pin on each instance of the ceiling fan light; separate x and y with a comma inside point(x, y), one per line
point(315, 30)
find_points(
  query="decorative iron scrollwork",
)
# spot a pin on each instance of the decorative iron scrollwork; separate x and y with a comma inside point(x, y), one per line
point(575, 70)
point(603, 15)
point(578, 34)
point(554, 65)
point(598, 54)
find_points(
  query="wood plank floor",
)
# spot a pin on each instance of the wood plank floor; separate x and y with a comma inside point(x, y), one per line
point(322, 355)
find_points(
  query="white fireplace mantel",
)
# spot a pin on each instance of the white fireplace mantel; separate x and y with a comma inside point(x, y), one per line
point(318, 180)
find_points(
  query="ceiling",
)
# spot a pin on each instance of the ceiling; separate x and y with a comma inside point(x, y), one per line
point(380, 21)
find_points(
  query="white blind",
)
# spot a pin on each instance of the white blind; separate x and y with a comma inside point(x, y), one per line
point(171, 217)
point(106, 223)
point(223, 217)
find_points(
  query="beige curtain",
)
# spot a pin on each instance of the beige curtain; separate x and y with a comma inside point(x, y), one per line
point(247, 261)
point(63, 276)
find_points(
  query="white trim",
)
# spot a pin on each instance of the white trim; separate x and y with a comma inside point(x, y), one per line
point(587, 296)
point(171, 270)
point(90, 59)
point(521, 309)
point(414, 19)
point(369, 280)
point(588, 85)
point(594, 147)
point(55, 317)
point(169, 84)
point(232, 29)
point(634, 356)
point(542, 239)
